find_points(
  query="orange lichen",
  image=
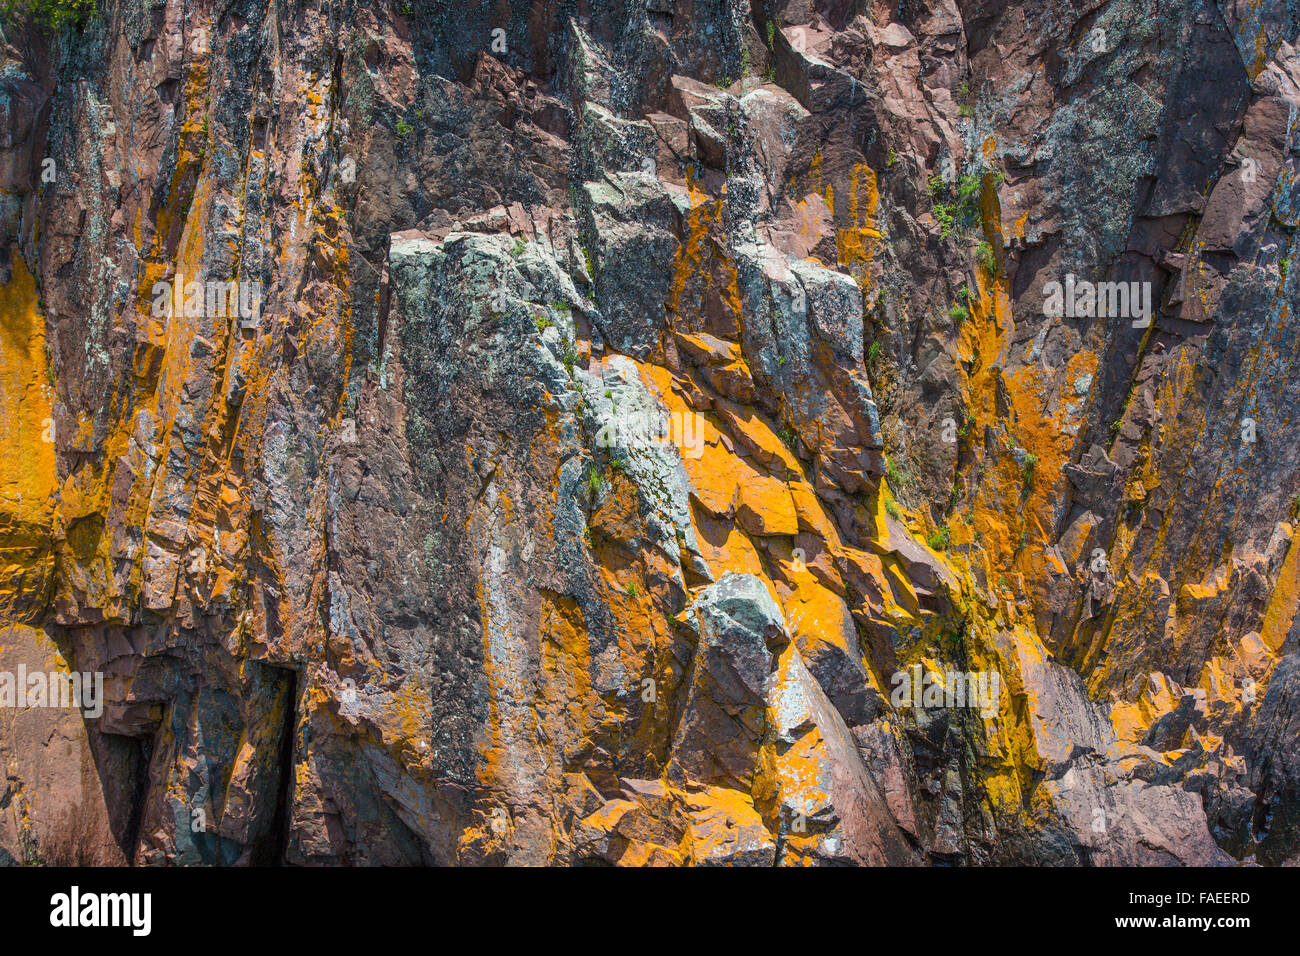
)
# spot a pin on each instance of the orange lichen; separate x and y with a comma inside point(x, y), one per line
point(27, 473)
point(855, 245)
point(1284, 601)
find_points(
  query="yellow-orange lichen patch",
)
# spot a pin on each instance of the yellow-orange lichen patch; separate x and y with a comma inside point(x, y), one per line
point(814, 614)
point(26, 403)
point(1284, 601)
point(566, 655)
point(856, 244)
point(747, 426)
point(696, 258)
point(27, 473)
point(725, 547)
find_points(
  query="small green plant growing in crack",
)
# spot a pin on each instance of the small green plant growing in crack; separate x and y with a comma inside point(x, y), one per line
point(404, 128)
point(518, 248)
point(893, 511)
point(594, 480)
point(897, 477)
point(570, 356)
point(53, 15)
point(938, 540)
point(943, 215)
point(631, 590)
point(873, 352)
point(963, 209)
point(1027, 468)
point(984, 255)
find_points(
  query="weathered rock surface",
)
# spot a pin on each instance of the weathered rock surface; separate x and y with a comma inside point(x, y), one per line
point(643, 399)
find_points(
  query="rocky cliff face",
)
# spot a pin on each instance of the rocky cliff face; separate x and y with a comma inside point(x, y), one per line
point(645, 405)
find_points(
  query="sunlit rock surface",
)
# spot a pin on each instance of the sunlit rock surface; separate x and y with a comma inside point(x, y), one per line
point(647, 407)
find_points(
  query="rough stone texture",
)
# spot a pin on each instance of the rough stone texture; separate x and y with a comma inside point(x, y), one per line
point(401, 572)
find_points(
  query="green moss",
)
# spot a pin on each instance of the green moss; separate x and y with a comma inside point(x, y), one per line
point(893, 511)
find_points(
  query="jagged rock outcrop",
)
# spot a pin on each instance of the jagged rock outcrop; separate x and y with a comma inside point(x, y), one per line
point(656, 440)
